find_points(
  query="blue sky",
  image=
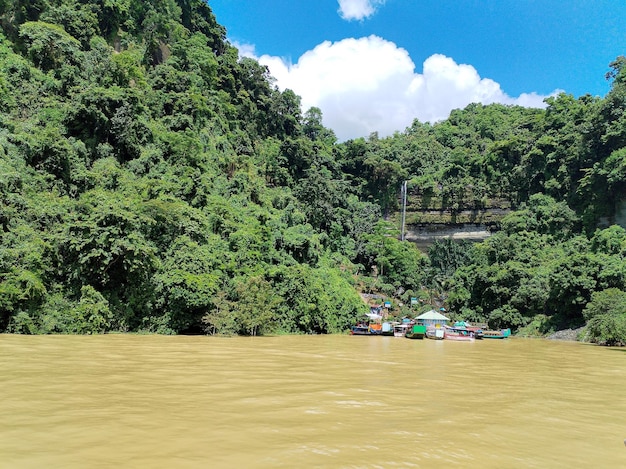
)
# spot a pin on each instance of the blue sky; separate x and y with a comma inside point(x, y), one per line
point(375, 65)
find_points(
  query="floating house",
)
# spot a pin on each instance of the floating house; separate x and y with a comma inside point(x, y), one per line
point(432, 318)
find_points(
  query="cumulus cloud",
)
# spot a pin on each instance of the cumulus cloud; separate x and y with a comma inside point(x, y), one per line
point(358, 9)
point(370, 84)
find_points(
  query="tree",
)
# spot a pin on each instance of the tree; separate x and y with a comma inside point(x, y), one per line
point(610, 240)
point(186, 283)
point(446, 256)
point(104, 245)
point(542, 214)
point(49, 45)
point(320, 194)
point(25, 267)
point(313, 128)
point(219, 318)
point(606, 317)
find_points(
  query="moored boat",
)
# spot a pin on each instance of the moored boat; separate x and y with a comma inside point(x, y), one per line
point(360, 329)
point(416, 331)
point(400, 329)
point(501, 334)
point(473, 328)
point(366, 329)
point(369, 324)
point(451, 333)
point(436, 333)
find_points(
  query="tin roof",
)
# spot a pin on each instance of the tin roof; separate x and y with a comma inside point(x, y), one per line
point(432, 315)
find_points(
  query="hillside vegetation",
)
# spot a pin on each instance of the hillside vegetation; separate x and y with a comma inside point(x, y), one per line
point(154, 181)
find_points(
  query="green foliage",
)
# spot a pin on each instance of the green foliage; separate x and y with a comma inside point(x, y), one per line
point(24, 266)
point(543, 215)
point(152, 180)
point(48, 45)
point(188, 280)
point(79, 19)
point(127, 69)
point(93, 311)
point(396, 262)
point(59, 315)
point(447, 256)
point(256, 305)
point(515, 278)
point(315, 300)
point(610, 241)
point(606, 316)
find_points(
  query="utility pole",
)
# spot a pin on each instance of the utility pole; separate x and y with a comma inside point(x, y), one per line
point(404, 190)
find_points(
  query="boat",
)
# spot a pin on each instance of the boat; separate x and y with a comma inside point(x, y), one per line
point(452, 333)
point(400, 329)
point(433, 332)
point(366, 329)
point(501, 334)
point(416, 331)
point(477, 330)
point(369, 324)
point(360, 329)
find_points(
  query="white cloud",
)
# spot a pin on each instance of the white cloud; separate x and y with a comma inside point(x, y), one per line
point(370, 84)
point(358, 9)
point(245, 50)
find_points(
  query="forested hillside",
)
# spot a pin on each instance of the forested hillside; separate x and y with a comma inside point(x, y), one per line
point(558, 258)
point(154, 181)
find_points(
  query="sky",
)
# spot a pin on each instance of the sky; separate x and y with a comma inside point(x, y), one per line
point(376, 65)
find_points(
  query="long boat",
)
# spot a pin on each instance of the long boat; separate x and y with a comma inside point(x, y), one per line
point(458, 334)
point(360, 329)
point(501, 334)
point(367, 329)
point(477, 330)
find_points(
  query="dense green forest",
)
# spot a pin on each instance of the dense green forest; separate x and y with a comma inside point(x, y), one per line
point(154, 181)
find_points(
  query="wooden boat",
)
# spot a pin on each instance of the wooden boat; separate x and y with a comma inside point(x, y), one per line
point(400, 329)
point(360, 329)
point(475, 329)
point(416, 331)
point(366, 329)
point(435, 333)
point(369, 324)
point(501, 334)
point(451, 333)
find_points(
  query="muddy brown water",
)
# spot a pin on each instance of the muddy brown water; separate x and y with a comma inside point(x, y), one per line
point(129, 401)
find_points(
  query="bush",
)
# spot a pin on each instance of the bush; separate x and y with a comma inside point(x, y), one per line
point(607, 329)
point(606, 316)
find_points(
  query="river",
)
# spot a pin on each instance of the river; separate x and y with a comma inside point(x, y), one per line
point(129, 401)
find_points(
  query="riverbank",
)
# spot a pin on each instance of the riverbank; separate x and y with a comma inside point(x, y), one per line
point(566, 334)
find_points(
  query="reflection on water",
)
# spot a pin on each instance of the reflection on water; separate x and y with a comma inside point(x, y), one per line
point(311, 401)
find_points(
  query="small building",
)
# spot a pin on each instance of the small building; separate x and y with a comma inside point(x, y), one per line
point(432, 318)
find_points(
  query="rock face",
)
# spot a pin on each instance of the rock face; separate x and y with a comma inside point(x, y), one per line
point(565, 334)
point(620, 214)
point(423, 235)
point(429, 217)
point(618, 218)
